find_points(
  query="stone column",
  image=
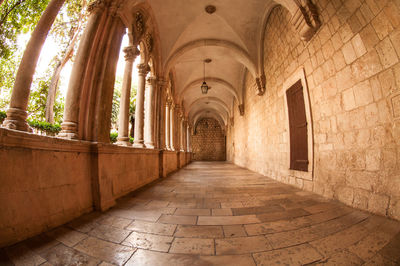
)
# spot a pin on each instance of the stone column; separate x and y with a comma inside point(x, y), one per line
point(167, 126)
point(188, 138)
point(16, 113)
point(123, 118)
point(172, 126)
point(149, 136)
point(182, 135)
point(72, 101)
point(139, 113)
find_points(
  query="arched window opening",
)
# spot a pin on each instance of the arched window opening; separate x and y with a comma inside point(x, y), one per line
point(127, 59)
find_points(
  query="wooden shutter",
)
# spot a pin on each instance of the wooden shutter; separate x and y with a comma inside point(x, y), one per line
point(298, 128)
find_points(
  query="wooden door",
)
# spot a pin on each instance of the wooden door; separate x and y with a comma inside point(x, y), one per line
point(297, 127)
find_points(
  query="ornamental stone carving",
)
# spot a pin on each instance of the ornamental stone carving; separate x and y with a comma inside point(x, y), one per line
point(306, 20)
point(241, 109)
point(96, 5)
point(139, 24)
point(260, 82)
point(131, 52)
point(143, 69)
point(149, 42)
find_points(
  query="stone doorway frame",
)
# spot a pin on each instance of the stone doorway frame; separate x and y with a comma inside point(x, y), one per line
point(299, 74)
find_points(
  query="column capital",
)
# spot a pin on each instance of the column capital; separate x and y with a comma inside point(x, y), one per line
point(131, 52)
point(151, 80)
point(95, 6)
point(143, 69)
point(162, 82)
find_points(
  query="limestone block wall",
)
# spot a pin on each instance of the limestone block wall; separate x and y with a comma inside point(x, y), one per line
point(170, 162)
point(44, 182)
point(208, 142)
point(352, 71)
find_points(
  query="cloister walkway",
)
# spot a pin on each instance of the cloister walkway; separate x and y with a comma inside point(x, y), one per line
point(216, 214)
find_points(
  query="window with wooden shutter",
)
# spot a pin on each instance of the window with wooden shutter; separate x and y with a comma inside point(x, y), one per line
point(297, 127)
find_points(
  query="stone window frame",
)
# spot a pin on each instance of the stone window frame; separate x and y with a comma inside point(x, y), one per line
point(288, 83)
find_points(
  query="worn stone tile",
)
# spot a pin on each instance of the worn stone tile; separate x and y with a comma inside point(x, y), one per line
point(341, 240)
point(63, 255)
point(221, 212)
point(378, 260)
point(154, 204)
point(117, 222)
point(110, 233)
point(257, 210)
point(292, 238)
point(149, 241)
point(106, 251)
point(227, 220)
point(342, 258)
point(67, 236)
point(20, 254)
point(298, 255)
point(177, 219)
point(194, 212)
point(282, 215)
point(234, 230)
point(41, 243)
point(150, 258)
point(193, 246)
point(139, 214)
point(152, 228)
point(392, 249)
point(241, 245)
point(199, 231)
point(86, 222)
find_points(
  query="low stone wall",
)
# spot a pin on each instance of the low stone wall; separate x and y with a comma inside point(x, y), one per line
point(47, 181)
point(170, 162)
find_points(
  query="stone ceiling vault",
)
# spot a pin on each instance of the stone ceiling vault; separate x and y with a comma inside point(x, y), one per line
point(232, 37)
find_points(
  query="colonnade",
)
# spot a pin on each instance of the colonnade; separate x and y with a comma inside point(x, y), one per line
point(87, 93)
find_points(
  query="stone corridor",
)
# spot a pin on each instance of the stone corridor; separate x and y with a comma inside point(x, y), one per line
point(216, 214)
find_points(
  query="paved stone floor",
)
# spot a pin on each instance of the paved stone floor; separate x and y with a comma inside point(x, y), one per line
point(217, 214)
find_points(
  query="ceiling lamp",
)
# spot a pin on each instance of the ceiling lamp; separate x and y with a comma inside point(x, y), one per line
point(204, 86)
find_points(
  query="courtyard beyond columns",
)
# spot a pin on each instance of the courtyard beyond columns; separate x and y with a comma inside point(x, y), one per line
point(212, 213)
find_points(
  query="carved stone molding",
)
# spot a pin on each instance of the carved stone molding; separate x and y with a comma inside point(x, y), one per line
point(96, 6)
point(149, 42)
point(139, 24)
point(306, 20)
point(241, 109)
point(131, 52)
point(143, 69)
point(260, 82)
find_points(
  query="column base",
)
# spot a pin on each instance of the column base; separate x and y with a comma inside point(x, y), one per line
point(124, 141)
point(69, 130)
point(16, 119)
point(138, 144)
point(149, 145)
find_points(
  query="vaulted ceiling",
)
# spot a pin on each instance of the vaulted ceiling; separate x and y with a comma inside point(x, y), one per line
point(231, 37)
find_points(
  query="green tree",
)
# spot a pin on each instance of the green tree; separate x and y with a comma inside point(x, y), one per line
point(16, 17)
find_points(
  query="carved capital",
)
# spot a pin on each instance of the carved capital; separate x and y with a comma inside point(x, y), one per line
point(306, 20)
point(151, 80)
point(241, 109)
point(95, 6)
point(260, 82)
point(131, 52)
point(143, 69)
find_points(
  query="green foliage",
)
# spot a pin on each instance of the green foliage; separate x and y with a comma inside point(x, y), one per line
point(3, 116)
point(45, 127)
point(17, 16)
point(113, 137)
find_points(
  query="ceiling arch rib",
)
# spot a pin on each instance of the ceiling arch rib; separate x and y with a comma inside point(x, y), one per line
point(225, 85)
point(207, 113)
point(211, 109)
point(210, 100)
point(238, 53)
